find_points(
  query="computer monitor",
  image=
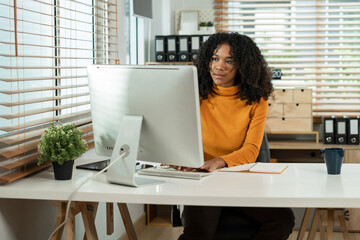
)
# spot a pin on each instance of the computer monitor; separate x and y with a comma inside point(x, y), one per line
point(152, 110)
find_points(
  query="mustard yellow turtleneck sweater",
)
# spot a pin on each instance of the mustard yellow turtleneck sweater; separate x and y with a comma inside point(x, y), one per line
point(231, 129)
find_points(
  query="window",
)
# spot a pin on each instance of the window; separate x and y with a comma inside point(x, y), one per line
point(45, 46)
point(316, 43)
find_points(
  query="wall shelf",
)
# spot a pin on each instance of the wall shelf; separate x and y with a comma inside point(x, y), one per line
point(169, 63)
point(314, 133)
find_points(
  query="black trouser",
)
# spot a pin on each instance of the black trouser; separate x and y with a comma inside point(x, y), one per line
point(201, 222)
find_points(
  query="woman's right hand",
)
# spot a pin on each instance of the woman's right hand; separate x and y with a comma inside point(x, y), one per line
point(183, 169)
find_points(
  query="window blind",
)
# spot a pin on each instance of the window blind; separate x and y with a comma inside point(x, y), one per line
point(45, 46)
point(316, 44)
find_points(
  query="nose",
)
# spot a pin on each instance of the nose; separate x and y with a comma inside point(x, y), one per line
point(220, 65)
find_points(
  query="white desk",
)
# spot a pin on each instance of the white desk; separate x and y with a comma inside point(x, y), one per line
point(301, 185)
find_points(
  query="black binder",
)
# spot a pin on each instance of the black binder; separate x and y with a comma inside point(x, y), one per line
point(353, 131)
point(341, 125)
point(184, 48)
point(329, 130)
point(204, 38)
point(171, 48)
point(195, 46)
point(160, 46)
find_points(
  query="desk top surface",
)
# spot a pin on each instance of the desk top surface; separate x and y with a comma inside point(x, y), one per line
point(300, 185)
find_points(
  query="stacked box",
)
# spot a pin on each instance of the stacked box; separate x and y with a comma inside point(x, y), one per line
point(290, 110)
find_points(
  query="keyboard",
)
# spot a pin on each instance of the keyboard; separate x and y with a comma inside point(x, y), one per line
point(170, 172)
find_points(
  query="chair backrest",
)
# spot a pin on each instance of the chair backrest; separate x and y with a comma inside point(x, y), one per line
point(264, 152)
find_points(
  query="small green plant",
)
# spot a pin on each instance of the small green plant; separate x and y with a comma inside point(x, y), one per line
point(202, 24)
point(210, 24)
point(61, 143)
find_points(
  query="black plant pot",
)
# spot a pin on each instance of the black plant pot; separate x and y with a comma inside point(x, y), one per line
point(63, 172)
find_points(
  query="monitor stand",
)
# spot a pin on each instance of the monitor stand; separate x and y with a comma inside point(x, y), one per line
point(123, 171)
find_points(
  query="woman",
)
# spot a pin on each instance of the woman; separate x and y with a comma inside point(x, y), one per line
point(234, 85)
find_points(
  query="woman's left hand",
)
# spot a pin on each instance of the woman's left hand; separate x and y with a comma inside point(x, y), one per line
point(213, 164)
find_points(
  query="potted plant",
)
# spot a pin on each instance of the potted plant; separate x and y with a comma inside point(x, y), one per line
point(202, 26)
point(210, 27)
point(61, 144)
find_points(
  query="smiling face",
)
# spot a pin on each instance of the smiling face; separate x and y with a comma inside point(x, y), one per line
point(222, 66)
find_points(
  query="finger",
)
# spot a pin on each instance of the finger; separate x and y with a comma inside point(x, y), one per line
point(187, 169)
point(205, 167)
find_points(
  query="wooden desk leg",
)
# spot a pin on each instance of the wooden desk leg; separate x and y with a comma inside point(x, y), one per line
point(323, 223)
point(70, 221)
point(314, 225)
point(92, 206)
point(344, 229)
point(125, 215)
point(109, 218)
point(87, 213)
point(304, 223)
point(60, 215)
point(330, 224)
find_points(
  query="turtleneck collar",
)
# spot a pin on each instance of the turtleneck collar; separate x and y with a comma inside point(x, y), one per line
point(229, 92)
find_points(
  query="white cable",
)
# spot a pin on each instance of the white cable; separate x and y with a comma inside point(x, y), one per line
point(77, 189)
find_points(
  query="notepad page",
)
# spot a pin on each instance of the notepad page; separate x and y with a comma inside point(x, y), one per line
point(268, 167)
point(257, 168)
point(239, 168)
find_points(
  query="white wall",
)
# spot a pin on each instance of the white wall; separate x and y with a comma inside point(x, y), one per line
point(26, 219)
point(163, 22)
point(123, 31)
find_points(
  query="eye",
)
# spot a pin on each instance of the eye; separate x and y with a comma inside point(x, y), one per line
point(215, 59)
point(229, 62)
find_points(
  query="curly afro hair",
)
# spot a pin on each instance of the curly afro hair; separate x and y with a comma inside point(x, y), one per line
point(253, 76)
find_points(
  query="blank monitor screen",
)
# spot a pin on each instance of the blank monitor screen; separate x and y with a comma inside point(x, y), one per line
point(166, 96)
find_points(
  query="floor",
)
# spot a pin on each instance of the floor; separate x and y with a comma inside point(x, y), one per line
point(169, 233)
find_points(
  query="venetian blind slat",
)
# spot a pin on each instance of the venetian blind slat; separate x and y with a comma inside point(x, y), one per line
point(17, 91)
point(20, 161)
point(22, 172)
point(22, 79)
point(43, 110)
point(27, 124)
point(46, 99)
point(30, 146)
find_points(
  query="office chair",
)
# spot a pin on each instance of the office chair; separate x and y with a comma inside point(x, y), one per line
point(239, 227)
point(230, 226)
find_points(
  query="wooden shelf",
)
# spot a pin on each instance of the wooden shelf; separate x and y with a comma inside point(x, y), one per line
point(169, 63)
point(310, 145)
point(315, 133)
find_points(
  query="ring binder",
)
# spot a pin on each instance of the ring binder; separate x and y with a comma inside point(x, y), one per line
point(160, 46)
point(184, 46)
point(329, 130)
point(171, 51)
point(204, 38)
point(341, 130)
point(353, 134)
point(195, 47)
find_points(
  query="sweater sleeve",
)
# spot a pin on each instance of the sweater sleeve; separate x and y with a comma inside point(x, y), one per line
point(250, 149)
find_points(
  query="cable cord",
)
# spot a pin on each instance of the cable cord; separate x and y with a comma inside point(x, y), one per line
point(77, 189)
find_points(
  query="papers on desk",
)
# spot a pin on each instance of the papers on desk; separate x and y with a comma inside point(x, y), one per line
point(259, 167)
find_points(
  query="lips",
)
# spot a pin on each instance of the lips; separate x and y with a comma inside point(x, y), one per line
point(219, 75)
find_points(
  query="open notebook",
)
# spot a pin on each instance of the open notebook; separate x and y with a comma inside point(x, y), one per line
point(259, 167)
